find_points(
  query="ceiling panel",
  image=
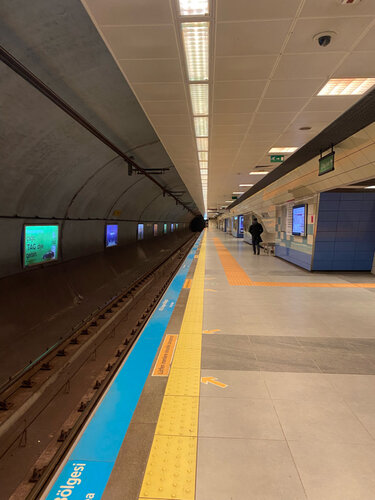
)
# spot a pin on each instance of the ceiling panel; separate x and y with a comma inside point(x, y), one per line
point(285, 104)
point(165, 107)
point(294, 88)
point(152, 70)
point(328, 103)
point(357, 64)
point(368, 41)
point(243, 68)
point(235, 105)
point(160, 91)
point(246, 38)
point(141, 42)
point(231, 118)
point(130, 11)
point(239, 90)
point(332, 8)
point(296, 66)
point(227, 10)
point(347, 30)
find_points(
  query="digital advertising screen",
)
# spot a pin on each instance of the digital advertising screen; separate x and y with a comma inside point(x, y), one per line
point(172, 228)
point(155, 229)
point(40, 245)
point(299, 220)
point(165, 228)
point(140, 231)
point(111, 235)
point(241, 224)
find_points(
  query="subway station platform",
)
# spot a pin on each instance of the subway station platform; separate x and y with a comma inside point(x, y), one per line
point(261, 386)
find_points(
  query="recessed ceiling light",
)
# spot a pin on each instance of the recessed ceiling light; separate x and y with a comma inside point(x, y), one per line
point(203, 155)
point(229, 201)
point(201, 126)
point(282, 150)
point(347, 86)
point(194, 7)
point(238, 192)
point(202, 143)
point(258, 173)
point(199, 98)
point(246, 185)
point(195, 37)
point(370, 187)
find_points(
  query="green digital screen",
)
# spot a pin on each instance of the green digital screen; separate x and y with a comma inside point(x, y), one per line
point(327, 163)
point(40, 244)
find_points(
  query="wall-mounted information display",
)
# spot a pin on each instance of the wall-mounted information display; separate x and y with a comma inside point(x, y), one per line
point(155, 229)
point(172, 228)
point(40, 244)
point(165, 228)
point(111, 235)
point(140, 231)
point(299, 220)
point(327, 163)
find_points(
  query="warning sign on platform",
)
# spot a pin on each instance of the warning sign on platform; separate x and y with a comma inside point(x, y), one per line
point(164, 360)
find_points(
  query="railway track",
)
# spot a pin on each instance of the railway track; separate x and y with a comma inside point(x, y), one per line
point(104, 338)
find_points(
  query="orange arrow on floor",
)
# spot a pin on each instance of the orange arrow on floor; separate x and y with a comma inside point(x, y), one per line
point(212, 331)
point(213, 380)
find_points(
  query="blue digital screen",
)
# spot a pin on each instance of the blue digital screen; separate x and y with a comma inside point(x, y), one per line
point(140, 231)
point(299, 220)
point(111, 236)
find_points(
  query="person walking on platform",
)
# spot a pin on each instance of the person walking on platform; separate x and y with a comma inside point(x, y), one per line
point(256, 229)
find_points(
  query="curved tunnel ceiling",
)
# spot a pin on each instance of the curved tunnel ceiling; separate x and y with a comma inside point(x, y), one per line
point(53, 167)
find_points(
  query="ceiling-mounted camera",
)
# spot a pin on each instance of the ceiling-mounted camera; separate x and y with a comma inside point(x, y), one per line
point(324, 38)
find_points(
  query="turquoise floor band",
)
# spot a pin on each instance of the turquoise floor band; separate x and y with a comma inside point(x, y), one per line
point(91, 461)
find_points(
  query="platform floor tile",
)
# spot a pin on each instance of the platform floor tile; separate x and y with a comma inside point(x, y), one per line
point(183, 382)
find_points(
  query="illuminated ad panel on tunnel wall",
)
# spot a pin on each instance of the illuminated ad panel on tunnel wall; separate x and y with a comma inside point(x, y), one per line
point(111, 235)
point(140, 231)
point(299, 220)
point(41, 244)
point(155, 229)
point(165, 228)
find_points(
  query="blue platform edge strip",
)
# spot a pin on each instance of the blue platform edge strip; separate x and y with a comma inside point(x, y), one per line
point(92, 459)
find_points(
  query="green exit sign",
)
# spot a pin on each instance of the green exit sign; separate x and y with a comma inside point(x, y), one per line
point(277, 158)
point(327, 163)
point(234, 197)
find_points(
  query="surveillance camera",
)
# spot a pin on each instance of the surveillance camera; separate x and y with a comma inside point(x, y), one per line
point(324, 38)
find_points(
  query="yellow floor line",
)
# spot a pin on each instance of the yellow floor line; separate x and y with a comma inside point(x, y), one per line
point(237, 276)
point(171, 467)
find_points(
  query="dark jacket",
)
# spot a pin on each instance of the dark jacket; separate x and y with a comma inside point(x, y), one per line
point(256, 230)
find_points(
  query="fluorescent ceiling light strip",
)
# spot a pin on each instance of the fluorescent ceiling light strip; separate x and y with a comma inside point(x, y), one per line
point(238, 192)
point(202, 144)
point(195, 37)
point(204, 171)
point(246, 185)
point(203, 156)
point(194, 7)
point(347, 86)
point(282, 150)
point(199, 98)
point(201, 126)
point(258, 173)
point(370, 187)
point(203, 164)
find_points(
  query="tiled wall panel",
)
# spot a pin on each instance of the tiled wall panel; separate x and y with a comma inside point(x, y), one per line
point(345, 236)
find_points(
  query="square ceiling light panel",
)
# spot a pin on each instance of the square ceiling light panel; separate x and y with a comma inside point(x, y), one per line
point(347, 86)
point(201, 126)
point(203, 155)
point(194, 7)
point(202, 144)
point(195, 37)
point(199, 98)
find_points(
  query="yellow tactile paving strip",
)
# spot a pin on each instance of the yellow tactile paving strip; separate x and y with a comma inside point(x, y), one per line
point(235, 274)
point(171, 467)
